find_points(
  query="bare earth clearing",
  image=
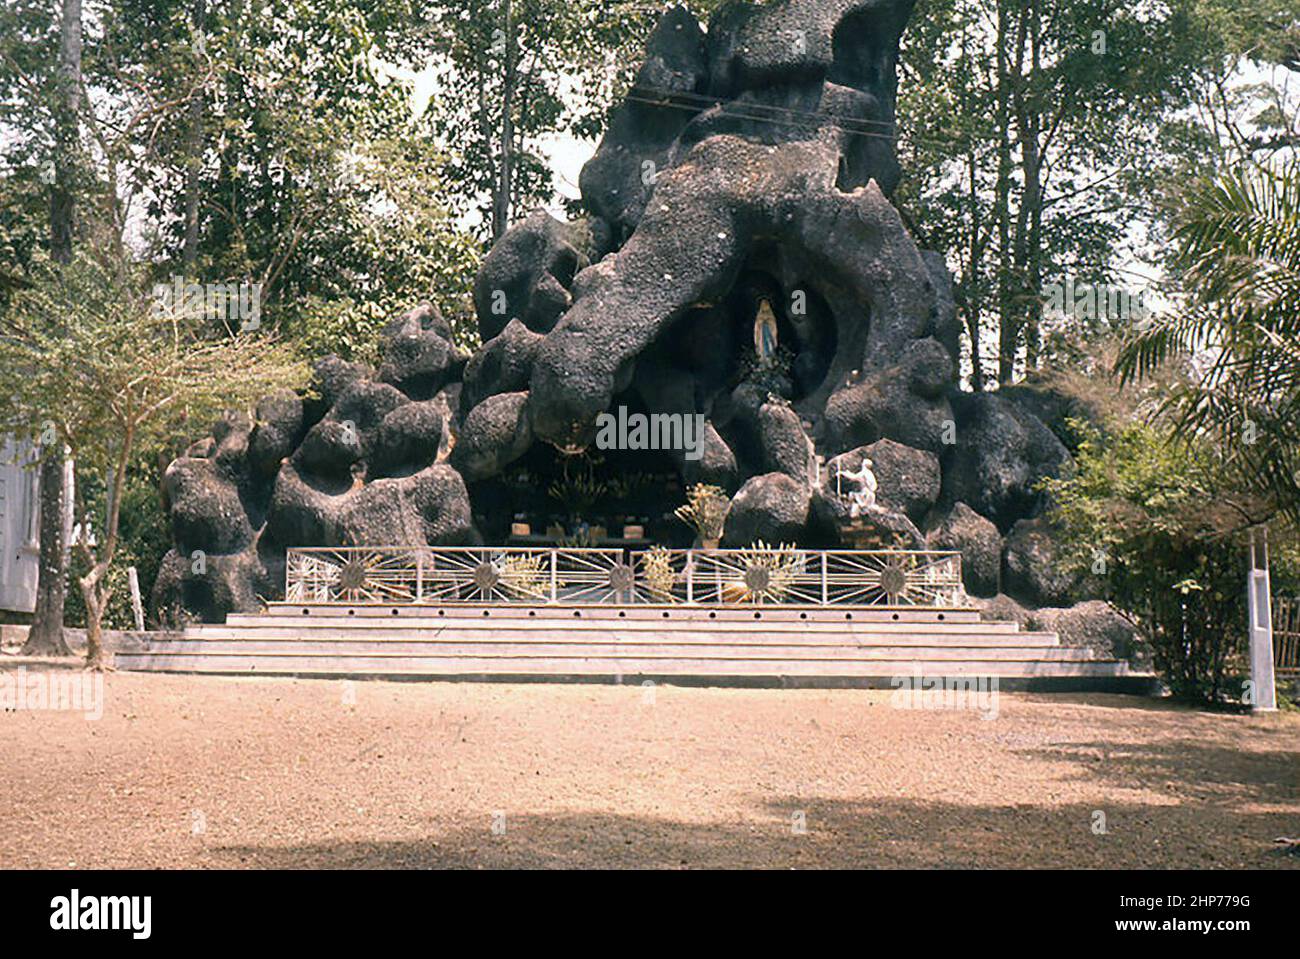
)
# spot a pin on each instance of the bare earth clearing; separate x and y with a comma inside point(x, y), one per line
point(223, 772)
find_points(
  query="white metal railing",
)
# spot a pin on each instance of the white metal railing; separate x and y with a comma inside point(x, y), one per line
point(538, 575)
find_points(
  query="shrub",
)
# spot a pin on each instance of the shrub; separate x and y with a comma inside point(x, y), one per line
point(1155, 521)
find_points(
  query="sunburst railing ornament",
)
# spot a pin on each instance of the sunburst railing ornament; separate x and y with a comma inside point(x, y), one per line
point(758, 575)
point(351, 574)
point(893, 578)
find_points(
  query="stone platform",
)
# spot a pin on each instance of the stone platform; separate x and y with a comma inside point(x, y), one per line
point(768, 646)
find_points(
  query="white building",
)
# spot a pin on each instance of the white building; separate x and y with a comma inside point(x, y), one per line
point(20, 526)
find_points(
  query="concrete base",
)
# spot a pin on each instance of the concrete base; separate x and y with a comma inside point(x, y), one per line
point(781, 647)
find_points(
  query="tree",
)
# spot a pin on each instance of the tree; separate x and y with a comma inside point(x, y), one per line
point(513, 73)
point(1034, 135)
point(89, 352)
point(1250, 104)
point(1160, 524)
point(261, 141)
point(404, 249)
point(1239, 256)
point(60, 108)
point(500, 91)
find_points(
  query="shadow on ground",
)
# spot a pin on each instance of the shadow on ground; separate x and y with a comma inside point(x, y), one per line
point(890, 834)
point(1211, 812)
point(10, 660)
point(1186, 769)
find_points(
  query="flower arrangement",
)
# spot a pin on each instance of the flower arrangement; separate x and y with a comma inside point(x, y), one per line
point(525, 576)
point(705, 511)
point(657, 568)
point(769, 571)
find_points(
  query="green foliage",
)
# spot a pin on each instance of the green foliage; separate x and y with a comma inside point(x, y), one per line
point(1154, 521)
point(90, 361)
point(569, 62)
point(404, 249)
point(281, 125)
point(1034, 137)
point(1239, 252)
point(23, 230)
point(144, 536)
point(311, 177)
point(90, 353)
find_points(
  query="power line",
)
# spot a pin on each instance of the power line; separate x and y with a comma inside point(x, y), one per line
point(820, 118)
point(707, 102)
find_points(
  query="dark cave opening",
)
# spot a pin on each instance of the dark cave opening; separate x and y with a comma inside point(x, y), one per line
point(710, 360)
point(715, 345)
point(587, 498)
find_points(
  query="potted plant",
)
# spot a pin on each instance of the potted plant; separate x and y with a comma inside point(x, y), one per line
point(705, 511)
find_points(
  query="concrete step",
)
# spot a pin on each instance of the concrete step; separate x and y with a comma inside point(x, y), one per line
point(613, 648)
point(686, 645)
point(276, 627)
point(607, 666)
point(527, 635)
point(638, 612)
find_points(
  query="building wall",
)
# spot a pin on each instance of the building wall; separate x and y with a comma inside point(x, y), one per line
point(19, 527)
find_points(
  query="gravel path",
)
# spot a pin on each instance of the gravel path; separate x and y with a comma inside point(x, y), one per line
point(202, 772)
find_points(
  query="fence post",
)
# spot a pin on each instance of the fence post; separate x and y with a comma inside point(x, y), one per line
point(419, 575)
point(825, 557)
point(1258, 605)
point(137, 605)
point(554, 587)
point(690, 576)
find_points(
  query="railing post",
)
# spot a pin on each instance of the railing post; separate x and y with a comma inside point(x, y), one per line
point(826, 596)
point(554, 587)
point(690, 576)
point(419, 575)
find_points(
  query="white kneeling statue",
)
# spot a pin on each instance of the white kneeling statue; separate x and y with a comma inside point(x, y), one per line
point(864, 497)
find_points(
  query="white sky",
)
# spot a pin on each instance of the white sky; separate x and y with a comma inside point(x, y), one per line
point(566, 153)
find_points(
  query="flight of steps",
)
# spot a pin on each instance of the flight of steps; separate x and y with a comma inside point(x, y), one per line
point(783, 646)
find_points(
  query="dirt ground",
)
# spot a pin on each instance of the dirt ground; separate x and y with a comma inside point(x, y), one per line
point(201, 772)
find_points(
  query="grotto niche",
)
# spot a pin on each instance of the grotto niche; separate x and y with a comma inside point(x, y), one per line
point(741, 261)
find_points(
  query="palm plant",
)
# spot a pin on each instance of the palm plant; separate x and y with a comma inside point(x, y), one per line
point(705, 511)
point(659, 575)
point(1238, 330)
point(525, 576)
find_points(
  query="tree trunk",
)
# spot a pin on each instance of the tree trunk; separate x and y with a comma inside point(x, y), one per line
point(96, 600)
point(974, 296)
point(66, 132)
point(46, 635)
point(1002, 204)
point(193, 158)
point(1029, 253)
point(95, 587)
point(971, 292)
point(501, 201)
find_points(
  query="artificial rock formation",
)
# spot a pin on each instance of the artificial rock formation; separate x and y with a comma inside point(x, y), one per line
point(742, 262)
point(357, 462)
